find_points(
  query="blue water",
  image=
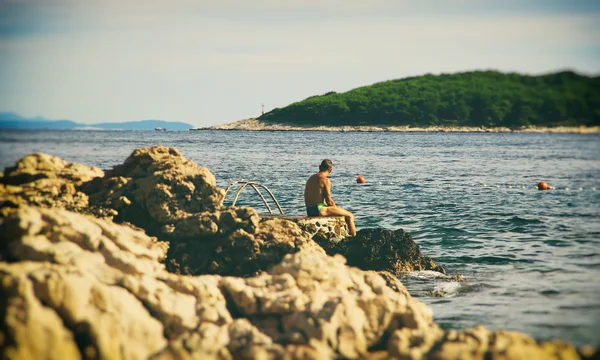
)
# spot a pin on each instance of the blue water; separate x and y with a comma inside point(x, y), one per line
point(531, 258)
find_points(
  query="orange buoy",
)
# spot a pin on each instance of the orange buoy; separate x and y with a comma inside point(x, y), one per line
point(543, 186)
point(360, 180)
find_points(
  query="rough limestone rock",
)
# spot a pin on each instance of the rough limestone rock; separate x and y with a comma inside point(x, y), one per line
point(42, 166)
point(74, 286)
point(64, 280)
point(47, 181)
point(317, 301)
point(384, 250)
point(481, 343)
point(252, 247)
point(156, 187)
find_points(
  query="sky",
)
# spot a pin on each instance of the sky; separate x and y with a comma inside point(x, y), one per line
point(209, 62)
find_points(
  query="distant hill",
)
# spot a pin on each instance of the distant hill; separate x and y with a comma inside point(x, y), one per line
point(10, 120)
point(481, 98)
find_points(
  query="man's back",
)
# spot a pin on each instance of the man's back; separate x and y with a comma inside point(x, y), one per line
point(318, 200)
point(314, 190)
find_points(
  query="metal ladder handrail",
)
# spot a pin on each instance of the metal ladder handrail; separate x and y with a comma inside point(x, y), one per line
point(254, 186)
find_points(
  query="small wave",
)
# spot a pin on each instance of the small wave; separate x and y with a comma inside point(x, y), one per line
point(489, 260)
point(536, 312)
point(411, 186)
point(579, 307)
point(517, 220)
point(557, 243)
point(590, 266)
point(441, 301)
point(549, 292)
point(447, 289)
point(449, 230)
point(581, 256)
point(426, 274)
point(546, 270)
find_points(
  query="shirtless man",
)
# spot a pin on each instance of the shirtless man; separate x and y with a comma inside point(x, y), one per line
point(317, 197)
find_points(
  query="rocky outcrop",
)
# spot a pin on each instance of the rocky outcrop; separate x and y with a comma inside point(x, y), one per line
point(46, 181)
point(172, 198)
point(384, 250)
point(75, 286)
point(64, 284)
point(155, 188)
point(168, 196)
point(158, 190)
point(246, 251)
point(42, 166)
point(371, 249)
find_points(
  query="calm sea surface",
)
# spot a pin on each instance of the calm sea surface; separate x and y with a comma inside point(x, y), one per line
point(531, 258)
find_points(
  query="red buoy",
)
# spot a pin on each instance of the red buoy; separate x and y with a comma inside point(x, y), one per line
point(360, 180)
point(543, 186)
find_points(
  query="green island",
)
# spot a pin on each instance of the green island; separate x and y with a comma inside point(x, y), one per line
point(488, 99)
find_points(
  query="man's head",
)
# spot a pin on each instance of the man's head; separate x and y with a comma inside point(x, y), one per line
point(326, 165)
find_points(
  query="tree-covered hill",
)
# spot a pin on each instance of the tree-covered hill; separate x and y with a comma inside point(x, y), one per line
point(481, 98)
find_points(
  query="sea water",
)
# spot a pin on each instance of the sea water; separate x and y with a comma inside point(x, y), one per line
point(530, 259)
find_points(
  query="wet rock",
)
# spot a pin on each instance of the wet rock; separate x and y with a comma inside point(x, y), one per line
point(46, 181)
point(384, 250)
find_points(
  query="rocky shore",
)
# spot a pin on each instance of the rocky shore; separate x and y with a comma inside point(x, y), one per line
point(259, 125)
point(143, 261)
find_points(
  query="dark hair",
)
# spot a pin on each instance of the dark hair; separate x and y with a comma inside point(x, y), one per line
point(325, 165)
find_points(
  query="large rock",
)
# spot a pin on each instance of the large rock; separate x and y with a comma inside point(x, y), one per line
point(384, 250)
point(250, 248)
point(74, 286)
point(42, 166)
point(71, 269)
point(47, 181)
point(155, 188)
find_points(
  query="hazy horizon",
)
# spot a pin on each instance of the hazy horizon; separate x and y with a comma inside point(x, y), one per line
point(214, 62)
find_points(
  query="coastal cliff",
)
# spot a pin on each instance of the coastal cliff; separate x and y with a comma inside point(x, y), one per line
point(144, 261)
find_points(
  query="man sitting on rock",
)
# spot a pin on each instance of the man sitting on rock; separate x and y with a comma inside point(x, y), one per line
point(317, 197)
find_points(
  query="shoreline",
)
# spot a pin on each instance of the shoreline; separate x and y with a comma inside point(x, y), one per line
point(258, 125)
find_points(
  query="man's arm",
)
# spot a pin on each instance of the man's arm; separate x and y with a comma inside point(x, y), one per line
point(328, 197)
